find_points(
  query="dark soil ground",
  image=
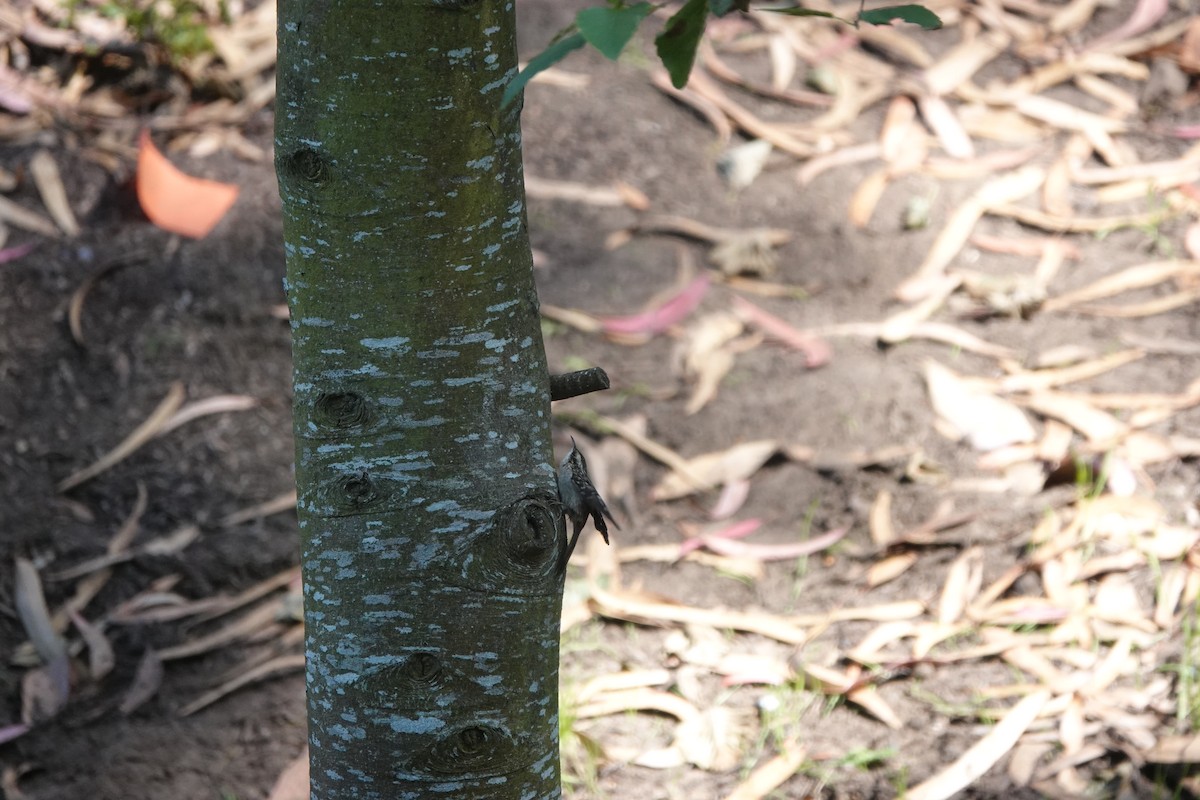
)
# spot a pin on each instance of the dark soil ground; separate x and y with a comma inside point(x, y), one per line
point(201, 312)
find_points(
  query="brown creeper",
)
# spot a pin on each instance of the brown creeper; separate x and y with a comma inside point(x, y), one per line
point(580, 498)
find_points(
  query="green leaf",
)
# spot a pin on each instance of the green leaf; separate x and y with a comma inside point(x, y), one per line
point(804, 12)
point(918, 15)
point(679, 39)
point(610, 29)
point(547, 58)
point(720, 8)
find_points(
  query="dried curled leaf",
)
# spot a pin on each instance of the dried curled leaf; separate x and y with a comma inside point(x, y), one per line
point(737, 463)
point(986, 421)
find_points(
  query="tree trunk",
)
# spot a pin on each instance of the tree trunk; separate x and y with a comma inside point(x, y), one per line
point(428, 510)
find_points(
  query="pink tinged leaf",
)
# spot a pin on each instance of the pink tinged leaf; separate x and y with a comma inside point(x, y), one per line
point(774, 552)
point(13, 94)
point(738, 530)
point(816, 350)
point(13, 253)
point(10, 732)
point(1145, 14)
point(732, 498)
point(835, 48)
point(1186, 132)
point(1191, 240)
point(1028, 614)
point(660, 319)
point(292, 783)
point(12, 99)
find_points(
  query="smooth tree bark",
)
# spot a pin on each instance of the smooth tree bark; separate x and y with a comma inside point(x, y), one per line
point(430, 522)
